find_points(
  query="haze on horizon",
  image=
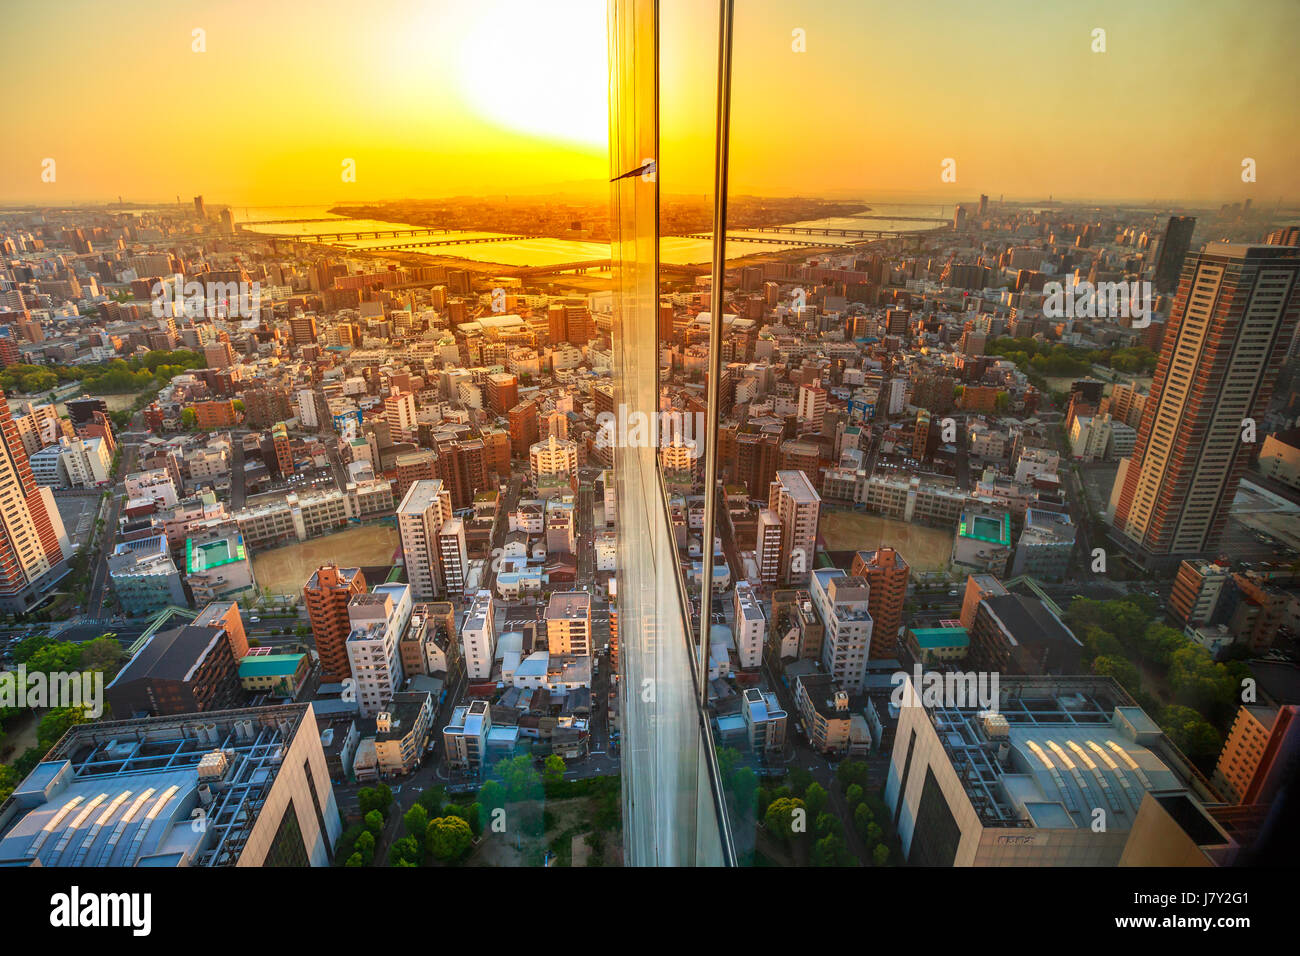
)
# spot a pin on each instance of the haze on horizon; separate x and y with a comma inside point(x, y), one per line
point(439, 99)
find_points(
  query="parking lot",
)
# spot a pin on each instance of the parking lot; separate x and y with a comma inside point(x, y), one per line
point(78, 514)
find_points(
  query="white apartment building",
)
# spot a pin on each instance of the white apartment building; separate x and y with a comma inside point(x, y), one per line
point(751, 626)
point(798, 507)
point(568, 623)
point(554, 460)
point(478, 637)
point(378, 620)
point(420, 519)
point(841, 600)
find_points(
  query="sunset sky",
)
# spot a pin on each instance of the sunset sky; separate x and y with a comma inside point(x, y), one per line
point(435, 98)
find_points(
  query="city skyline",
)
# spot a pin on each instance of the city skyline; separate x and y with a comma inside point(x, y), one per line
point(516, 103)
point(407, 461)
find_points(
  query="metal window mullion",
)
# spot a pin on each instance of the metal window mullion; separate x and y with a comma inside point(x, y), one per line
point(722, 134)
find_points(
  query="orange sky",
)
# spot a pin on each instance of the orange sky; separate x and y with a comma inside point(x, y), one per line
point(436, 98)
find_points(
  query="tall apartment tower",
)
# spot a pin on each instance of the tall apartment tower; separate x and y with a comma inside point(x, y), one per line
point(424, 510)
point(886, 574)
point(767, 548)
point(1232, 320)
point(283, 449)
point(29, 537)
point(302, 330)
point(812, 408)
point(453, 556)
point(327, 594)
point(798, 507)
point(463, 468)
point(1174, 246)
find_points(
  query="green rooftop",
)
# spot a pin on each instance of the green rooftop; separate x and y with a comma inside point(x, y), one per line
point(987, 528)
point(928, 638)
point(269, 665)
point(213, 554)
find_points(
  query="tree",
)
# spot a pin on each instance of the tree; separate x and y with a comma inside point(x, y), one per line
point(366, 847)
point(850, 772)
point(815, 799)
point(828, 823)
point(26, 648)
point(728, 757)
point(491, 795)
point(375, 822)
point(375, 798)
point(432, 799)
point(1190, 732)
point(103, 653)
point(1120, 668)
point(744, 786)
point(405, 852)
point(880, 854)
point(522, 781)
point(56, 723)
point(862, 819)
point(781, 816)
point(448, 838)
point(416, 821)
point(471, 813)
point(854, 795)
point(798, 780)
point(1099, 642)
point(830, 851)
point(189, 417)
point(553, 769)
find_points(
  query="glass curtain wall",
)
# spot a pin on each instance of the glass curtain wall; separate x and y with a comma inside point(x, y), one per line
point(670, 816)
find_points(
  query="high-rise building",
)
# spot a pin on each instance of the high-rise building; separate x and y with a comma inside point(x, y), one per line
point(1173, 250)
point(103, 798)
point(553, 460)
point(29, 540)
point(283, 449)
point(502, 392)
point(568, 623)
point(327, 594)
point(399, 412)
point(302, 330)
point(751, 626)
point(842, 602)
point(767, 548)
point(812, 408)
point(463, 468)
point(524, 427)
point(424, 510)
point(1262, 736)
point(377, 621)
point(798, 507)
point(755, 459)
point(478, 641)
point(453, 556)
point(886, 573)
point(1232, 320)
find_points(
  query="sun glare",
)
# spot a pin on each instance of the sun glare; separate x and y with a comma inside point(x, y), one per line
point(539, 69)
